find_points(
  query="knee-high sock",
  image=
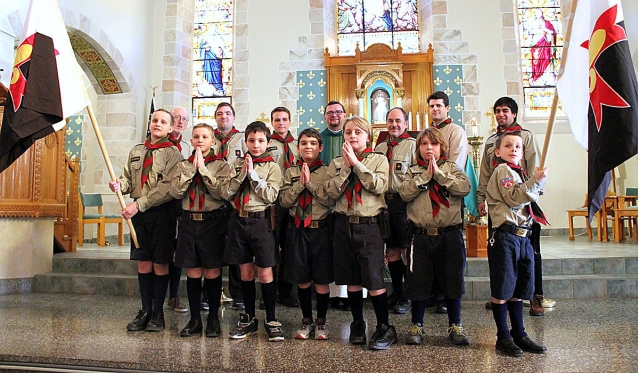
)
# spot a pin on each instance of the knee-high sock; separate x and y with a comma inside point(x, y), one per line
point(306, 303)
point(539, 283)
point(268, 294)
point(418, 309)
point(160, 285)
point(454, 310)
point(145, 281)
point(500, 314)
point(516, 312)
point(213, 290)
point(174, 284)
point(193, 291)
point(248, 292)
point(322, 304)
point(397, 270)
point(356, 300)
point(380, 305)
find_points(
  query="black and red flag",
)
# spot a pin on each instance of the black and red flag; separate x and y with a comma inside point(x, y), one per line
point(45, 83)
point(598, 90)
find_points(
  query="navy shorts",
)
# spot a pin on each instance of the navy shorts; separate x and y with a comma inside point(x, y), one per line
point(248, 241)
point(309, 255)
point(155, 229)
point(436, 265)
point(358, 254)
point(200, 243)
point(398, 223)
point(512, 265)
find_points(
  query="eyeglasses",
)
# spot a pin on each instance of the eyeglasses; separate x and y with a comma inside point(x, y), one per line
point(179, 117)
point(336, 112)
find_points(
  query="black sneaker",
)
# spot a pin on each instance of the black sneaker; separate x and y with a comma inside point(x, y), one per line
point(441, 308)
point(194, 327)
point(358, 333)
point(402, 306)
point(383, 338)
point(140, 321)
point(415, 334)
point(274, 331)
point(238, 305)
point(156, 323)
point(213, 329)
point(457, 335)
point(244, 327)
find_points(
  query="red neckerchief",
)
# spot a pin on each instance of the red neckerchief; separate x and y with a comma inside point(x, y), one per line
point(303, 212)
point(390, 144)
point(176, 141)
point(223, 139)
point(354, 187)
point(243, 194)
point(147, 166)
point(444, 123)
point(289, 158)
point(500, 132)
point(436, 191)
point(197, 186)
point(533, 207)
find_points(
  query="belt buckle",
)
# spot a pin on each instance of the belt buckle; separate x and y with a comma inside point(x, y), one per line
point(521, 232)
point(197, 216)
point(432, 231)
point(390, 196)
point(243, 214)
point(353, 219)
point(314, 224)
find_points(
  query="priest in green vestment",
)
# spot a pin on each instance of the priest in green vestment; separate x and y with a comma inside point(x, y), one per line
point(332, 136)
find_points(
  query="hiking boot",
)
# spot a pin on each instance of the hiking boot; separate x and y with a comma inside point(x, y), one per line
point(274, 331)
point(403, 306)
point(177, 305)
point(415, 335)
point(140, 321)
point(383, 338)
point(156, 323)
point(358, 333)
point(244, 327)
point(306, 330)
point(536, 306)
point(321, 331)
point(457, 335)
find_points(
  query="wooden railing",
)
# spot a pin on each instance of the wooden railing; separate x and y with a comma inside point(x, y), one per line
point(66, 227)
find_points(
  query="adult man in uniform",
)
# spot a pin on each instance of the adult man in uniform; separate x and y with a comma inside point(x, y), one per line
point(505, 110)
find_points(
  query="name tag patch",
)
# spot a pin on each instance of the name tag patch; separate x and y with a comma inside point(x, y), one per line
point(507, 182)
point(135, 159)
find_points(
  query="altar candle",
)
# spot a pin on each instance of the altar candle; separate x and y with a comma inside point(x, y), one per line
point(410, 120)
point(417, 120)
point(474, 128)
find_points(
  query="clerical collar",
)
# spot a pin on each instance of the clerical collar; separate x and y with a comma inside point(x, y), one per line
point(334, 132)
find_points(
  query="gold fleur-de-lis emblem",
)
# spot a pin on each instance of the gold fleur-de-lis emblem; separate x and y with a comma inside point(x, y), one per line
point(459, 107)
point(438, 81)
point(321, 110)
point(310, 122)
point(310, 75)
point(78, 119)
point(68, 153)
point(77, 142)
point(447, 70)
point(310, 95)
point(301, 84)
point(69, 131)
point(321, 82)
point(458, 80)
point(301, 111)
point(448, 91)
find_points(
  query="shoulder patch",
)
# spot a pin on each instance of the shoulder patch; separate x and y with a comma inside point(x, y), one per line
point(238, 153)
point(398, 166)
point(507, 182)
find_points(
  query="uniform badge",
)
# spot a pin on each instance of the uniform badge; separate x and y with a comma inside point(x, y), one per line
point(270, 148)
point(135, 159)
point(507, 182)
point(398, 166)
point(238, 153)
point(296, 178)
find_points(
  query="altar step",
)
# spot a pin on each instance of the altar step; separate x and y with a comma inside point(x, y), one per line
point(607, 277)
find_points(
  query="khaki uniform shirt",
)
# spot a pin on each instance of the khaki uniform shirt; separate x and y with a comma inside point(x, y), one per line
point(276, 148)
point(372, 172)
point(507, 196)
point(236, 145)
point(528, 161)
point(415, 190)
point(156, 190)
point(403, 157)
point(457, 144)
point(291, 189)
point(264, 184)
point(213, 174)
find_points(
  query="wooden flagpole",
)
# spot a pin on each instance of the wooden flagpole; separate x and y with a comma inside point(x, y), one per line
point(98, 134)
point(555, 99)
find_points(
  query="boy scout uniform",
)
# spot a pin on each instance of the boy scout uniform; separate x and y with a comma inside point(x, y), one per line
point(438, 250)
point(357, 232)
point(310, 245)
point(276, 149)
point(510, 253)
point(457, 142)
point(236, 146)
point(154, 224)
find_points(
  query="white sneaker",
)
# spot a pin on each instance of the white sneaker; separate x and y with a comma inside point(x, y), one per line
point(321, 331)
point(306, 330)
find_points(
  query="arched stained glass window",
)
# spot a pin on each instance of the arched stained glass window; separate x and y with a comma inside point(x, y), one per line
point(367, 22)
point(212, 56)
point(541, 47)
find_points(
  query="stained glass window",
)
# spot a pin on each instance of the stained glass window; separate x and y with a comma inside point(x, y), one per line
point(541, 47)
point(212, 56)
point(367, 22)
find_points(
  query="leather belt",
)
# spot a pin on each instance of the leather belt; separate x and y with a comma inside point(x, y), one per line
point(517, 231)
point(389, 196)
point(363, 220)
point(248, 214)
point(315, 224)
point(434, 231)
point(198, 216)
